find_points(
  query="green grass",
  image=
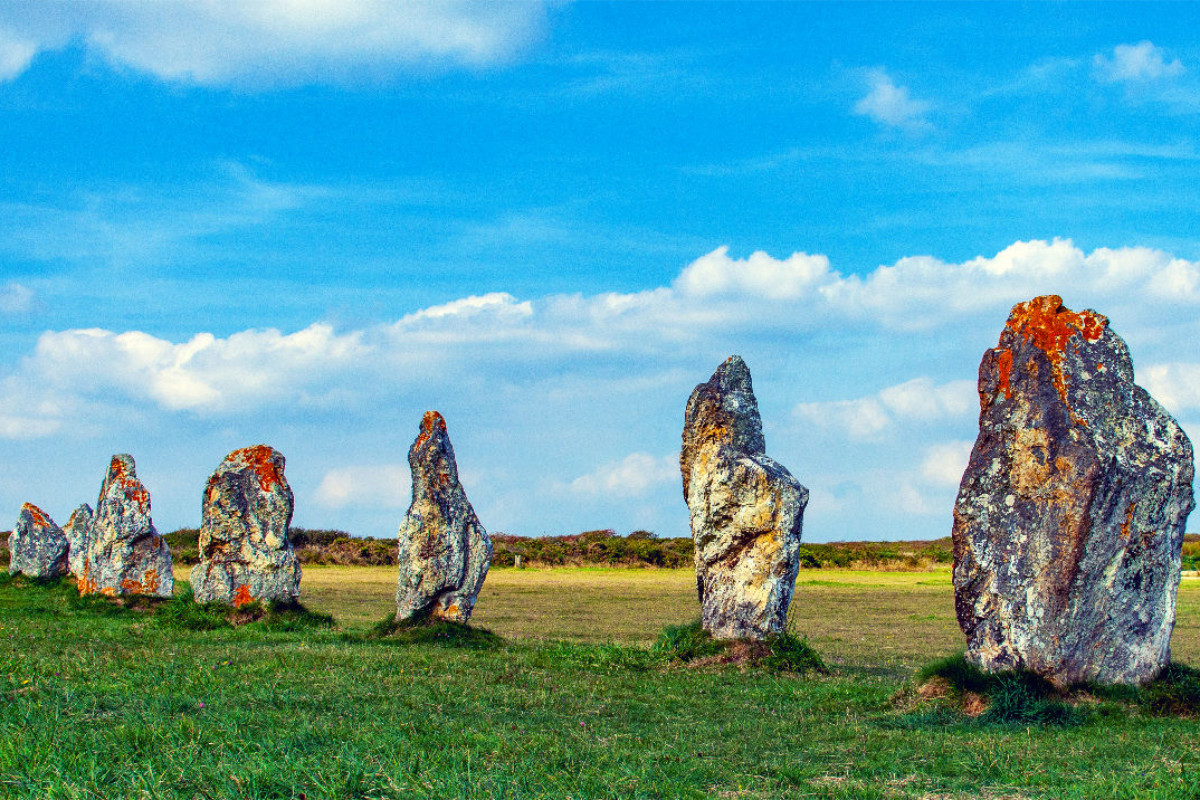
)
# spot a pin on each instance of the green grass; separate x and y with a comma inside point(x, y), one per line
point(113, 703)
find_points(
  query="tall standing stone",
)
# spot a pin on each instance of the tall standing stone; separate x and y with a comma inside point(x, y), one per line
point(78, 532)
point(1070, 516)
point(746, 509)
point(126, 555)
point(444, 552)
point(245, 555)
point(36, 546)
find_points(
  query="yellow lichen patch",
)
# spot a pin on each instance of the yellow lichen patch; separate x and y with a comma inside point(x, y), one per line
point(150, 581)
point(1128, 520)
point(1031, 466)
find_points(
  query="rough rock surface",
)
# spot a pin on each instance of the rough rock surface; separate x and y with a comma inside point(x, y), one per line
point(444, 551)
point(126, 555)
point(245, 554)
point(746, 509)
point(1070, 515)
point(78, 532)
point(36, 546)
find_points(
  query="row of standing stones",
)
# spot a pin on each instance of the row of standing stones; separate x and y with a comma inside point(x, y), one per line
point(1068, 526)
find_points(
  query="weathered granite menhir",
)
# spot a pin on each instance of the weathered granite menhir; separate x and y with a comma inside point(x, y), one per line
point(746, 509)
point(1070, 516)
point(78, 532)
point(444, 552)
point(37, 547)
point(125, 554)
point(245, 555)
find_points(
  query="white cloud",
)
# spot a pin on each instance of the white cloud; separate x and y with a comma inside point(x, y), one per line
point(917, 400)
point(889, 104)
point(1136, 63)
point(377, 485)
point(634, 476)
point(15, 298)
point(945, 463)
point(759, 275)
point(272, 42)
point(1176, 386)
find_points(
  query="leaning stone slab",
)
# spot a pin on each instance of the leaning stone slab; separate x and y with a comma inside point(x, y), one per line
point(747, 511)
point(246, 511)
point(36, 546)
point(444, 551)
point(126, 555)
point(1070, 515)
point(78, 532)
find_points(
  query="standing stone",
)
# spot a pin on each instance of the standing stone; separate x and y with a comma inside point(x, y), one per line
point(126, 555)
point(36, 546)
point(78, 532)
point(1070, 516)
point(746, 510)
point(245, 555)
point(444, 551)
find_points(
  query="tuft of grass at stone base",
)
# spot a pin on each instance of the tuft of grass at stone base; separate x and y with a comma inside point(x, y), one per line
point(438, 632)
point(692, 644)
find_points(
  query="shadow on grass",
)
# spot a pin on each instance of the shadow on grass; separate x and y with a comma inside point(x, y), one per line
point(439, 632)
point(691, 645)
point(182, 611)
point(953, 692)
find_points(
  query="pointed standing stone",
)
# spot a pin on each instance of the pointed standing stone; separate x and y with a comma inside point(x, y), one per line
point(746, 510)
point(1070, 515)
point(126, 555)
point(36, 546)
point(77, 531)
point(246, 511)
point(444, 551)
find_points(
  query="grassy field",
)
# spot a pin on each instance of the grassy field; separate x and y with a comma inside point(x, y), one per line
point(97, 704)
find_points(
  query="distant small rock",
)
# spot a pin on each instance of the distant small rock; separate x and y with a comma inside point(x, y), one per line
point(245, 554)
point(1070, 515)
point(77, 530)
point(125, 555)
point(444, 552)
point(36, 546)
point(747, 511)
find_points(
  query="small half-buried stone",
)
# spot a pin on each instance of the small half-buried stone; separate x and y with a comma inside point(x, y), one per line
point(246, 511)
point(747, 511)
point(125, 554)
point(444, 552)
point(37, 547)
point(78, 532)
point(1070, 515)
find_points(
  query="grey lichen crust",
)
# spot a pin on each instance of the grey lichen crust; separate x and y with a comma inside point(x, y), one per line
point(1070, 516)
point(444, 552)
point(125, 553)
point(246, 512)
point(747, 511)
point(78, 533)
point(37, 547)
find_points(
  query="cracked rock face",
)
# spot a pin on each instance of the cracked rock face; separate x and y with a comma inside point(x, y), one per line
point(444, 551)
point(78, 532)
point(36, 546)
point(246, 512)
point(1070, 516)
point(746, 510)
point(125, 555)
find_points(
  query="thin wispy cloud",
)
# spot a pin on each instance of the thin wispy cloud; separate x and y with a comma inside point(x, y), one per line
point(892, 105)
point(1136, 62)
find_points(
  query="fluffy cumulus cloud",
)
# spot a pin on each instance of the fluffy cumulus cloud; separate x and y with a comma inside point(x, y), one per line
point(571, 404)
point(891, 105)
point(271, 41)
point(636, 475)
point(1135, 63)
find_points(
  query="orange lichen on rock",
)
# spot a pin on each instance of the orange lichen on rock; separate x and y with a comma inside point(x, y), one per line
point(133, 488)
point(39, 516)
point(1048, 326)
point(429, 422)
point(242, 596)
point(1004, 368)
point(259, 459)
point(131, 587)
point(86, 583)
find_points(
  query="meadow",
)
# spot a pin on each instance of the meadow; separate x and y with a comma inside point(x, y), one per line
point(571, 700)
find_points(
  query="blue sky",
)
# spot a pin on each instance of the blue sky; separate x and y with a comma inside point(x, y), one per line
point(305, 223)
